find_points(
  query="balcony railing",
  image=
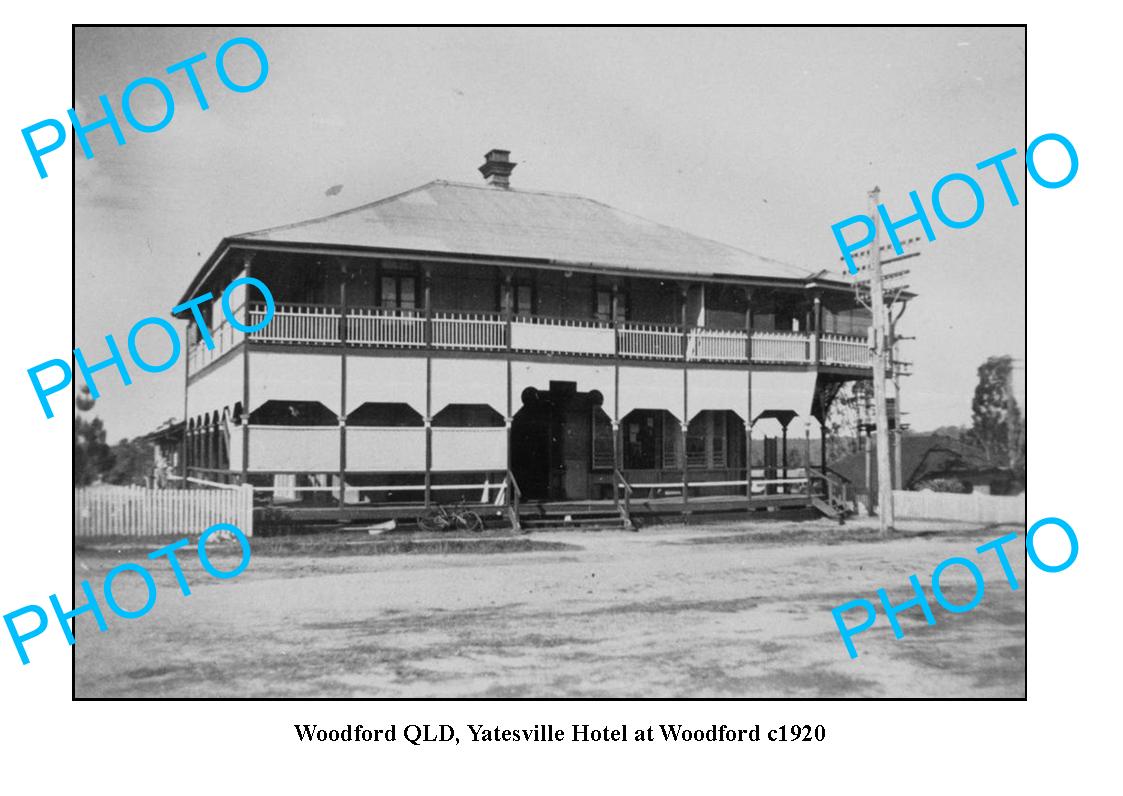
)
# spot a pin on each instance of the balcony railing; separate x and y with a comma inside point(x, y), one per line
point(837, 350)
point(475, 331)
point(562, 336)
point(224, 336)
point(297, 323)
point(716, 345)
point(380, 327)
point(469, 330)
point(782, 347)
point(646, 341)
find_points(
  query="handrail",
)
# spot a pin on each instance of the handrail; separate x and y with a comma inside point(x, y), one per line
point(619, 480)
point(394, 312)
point(838, 476)
point(835, 482)
point(669, 327)
point(829, 475)
point(204, 482)
point(515, 491)
point(516, 495)
point(486, 330)
point(558, 320)
point(259, 306)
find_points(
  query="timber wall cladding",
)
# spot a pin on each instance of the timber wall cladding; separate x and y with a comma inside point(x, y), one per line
point(650, 388)
point(294, 377)
point(469, 449)
point(218, 388)
point(305, 448)
point(469, 381)
point(385, 450)
point(384, 380)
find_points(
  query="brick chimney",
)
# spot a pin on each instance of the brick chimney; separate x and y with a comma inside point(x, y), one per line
point(497, 168)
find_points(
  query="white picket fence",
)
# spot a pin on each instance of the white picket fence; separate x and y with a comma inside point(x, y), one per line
point(103, 510)
point(975, 507)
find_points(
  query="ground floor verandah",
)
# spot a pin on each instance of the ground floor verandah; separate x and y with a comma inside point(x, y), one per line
point(376, 432)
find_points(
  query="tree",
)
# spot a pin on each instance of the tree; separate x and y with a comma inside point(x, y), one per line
point(92, 456)
point(132, 462)
point(850, 409)
point(953, 432)
point(997, 426)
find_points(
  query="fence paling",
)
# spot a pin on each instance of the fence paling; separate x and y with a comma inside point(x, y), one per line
point(975, 507)
point(139, 511)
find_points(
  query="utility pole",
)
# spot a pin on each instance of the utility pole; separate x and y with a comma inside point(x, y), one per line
point(881, 349)
point(898, 427)
point(898, 431)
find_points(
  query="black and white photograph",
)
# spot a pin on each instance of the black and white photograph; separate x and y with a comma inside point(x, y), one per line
point(529, 362)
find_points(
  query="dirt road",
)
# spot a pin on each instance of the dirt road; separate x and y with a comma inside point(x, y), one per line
point(710, 611)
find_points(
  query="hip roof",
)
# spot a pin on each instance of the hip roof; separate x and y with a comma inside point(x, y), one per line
point(482, 221)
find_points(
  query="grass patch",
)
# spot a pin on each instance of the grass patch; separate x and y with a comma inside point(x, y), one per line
point(339, 544)
point(829, 536)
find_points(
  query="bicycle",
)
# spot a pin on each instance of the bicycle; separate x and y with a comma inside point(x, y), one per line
point(440, 518)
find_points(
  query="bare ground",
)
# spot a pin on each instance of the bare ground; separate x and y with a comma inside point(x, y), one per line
point(707, 611)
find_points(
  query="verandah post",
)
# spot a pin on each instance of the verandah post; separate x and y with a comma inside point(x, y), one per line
point(246, 388)
point(749, 394)
point(183, 441)
point(427, 291)
point(784, 454)
point(344, 274)
point(684, 291)
point(507, 299)
point(617, 464)
point(807, 453)
point(817, 327)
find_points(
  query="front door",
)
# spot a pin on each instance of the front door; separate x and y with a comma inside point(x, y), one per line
point(551, 443)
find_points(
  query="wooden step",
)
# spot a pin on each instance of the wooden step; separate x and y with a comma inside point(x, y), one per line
point(829, 508)
point(617, 526)
point(575, 521)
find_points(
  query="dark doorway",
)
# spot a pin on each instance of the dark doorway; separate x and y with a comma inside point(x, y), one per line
point(551, 442)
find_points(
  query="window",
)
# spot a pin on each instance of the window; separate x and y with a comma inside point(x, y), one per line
point(604, 305)
point(853, 322)
point(706, 440)
point(522, 294)
point(725, 307)
point(696, 446)
point(603, 308)
point(604, 457)
point(717, 442)
point(642, 443)
point(672, 442)
point(398, 291)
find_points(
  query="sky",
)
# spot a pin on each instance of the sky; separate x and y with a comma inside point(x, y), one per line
point(759, 138)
